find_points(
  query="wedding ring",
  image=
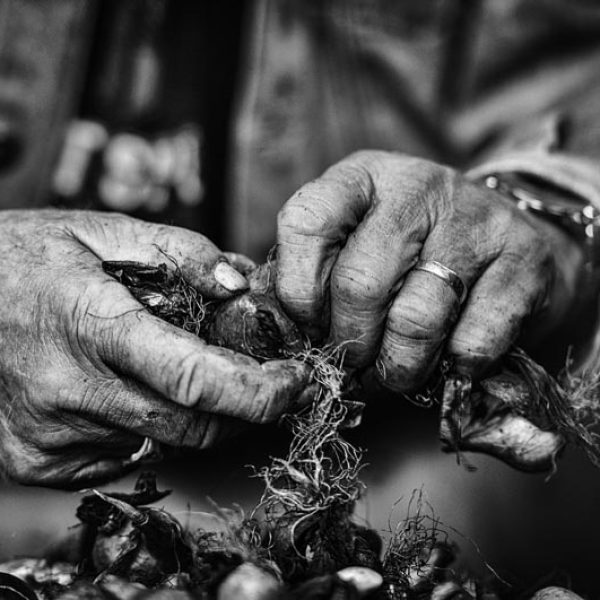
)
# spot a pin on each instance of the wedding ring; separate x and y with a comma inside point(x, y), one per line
point(447, 275)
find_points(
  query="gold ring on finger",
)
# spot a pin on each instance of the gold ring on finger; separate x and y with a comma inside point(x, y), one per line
point(447, 275)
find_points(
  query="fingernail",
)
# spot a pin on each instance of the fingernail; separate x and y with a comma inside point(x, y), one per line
point(229, 278)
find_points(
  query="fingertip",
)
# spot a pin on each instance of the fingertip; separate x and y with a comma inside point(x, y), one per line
point(480, 338)
point(360, 345)
point(292, 372)
point(229, 278)
point(468, 360)
point(407, 376)
point(287, 387)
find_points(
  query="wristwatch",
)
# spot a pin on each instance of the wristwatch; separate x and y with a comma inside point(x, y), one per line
point(569, 211)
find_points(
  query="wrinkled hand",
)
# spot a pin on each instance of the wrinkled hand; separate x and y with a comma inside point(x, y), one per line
point(85, 374)
point(348, 243)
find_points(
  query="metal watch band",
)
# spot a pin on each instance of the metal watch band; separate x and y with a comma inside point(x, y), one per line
point(582, 222)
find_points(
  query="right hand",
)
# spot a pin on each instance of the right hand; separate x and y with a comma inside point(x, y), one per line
point(86, 373)
point(349, 243)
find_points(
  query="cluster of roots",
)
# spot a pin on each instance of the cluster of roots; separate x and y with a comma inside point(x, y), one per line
point(128, 550)
point(303, 525)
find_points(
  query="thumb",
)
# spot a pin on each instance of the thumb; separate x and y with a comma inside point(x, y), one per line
point(115, 237)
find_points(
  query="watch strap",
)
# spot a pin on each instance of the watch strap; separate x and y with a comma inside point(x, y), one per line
point(575, 215)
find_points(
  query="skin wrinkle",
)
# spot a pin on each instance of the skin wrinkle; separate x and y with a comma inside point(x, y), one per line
point(183, 389)
point(361, 305)
point(319, 226)
point(309, 294)
point(419, 329)
point(351, 282)
point(20, 463)
point(128, 410)
point(71, 430)
point(206, 435)
point(410, 373)
point(339, 217)
point(79, 239)
point(263, 412)
point(183, 434)
point(74, 331)
point(354, 174)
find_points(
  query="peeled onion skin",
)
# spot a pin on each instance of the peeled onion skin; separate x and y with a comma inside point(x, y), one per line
point(483, 422)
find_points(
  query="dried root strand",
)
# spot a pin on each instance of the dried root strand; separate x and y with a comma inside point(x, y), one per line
point(309, 495)
point(583, 391)
point(321, 468)
point(164, 293)
point(418, 550)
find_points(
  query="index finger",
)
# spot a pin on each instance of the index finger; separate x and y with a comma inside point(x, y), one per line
point(189, 372)
point(180, 366)
point(312, 227)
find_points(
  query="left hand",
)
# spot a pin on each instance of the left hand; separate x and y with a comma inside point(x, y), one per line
point(86, 373)
point(348, 243)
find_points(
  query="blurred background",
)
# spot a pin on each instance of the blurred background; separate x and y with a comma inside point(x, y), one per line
point(209, 115)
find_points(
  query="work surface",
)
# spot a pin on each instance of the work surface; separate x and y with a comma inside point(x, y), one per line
point(525, 527)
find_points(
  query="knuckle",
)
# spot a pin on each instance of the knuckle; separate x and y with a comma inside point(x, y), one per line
point(355, 172)
point(356, 286)
point(363, 167)
point(415, 321)
point(365, 157)
point(312, 211)
point(302, 213)
point(302, 301)
point(88, 328)
point(422, 180)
